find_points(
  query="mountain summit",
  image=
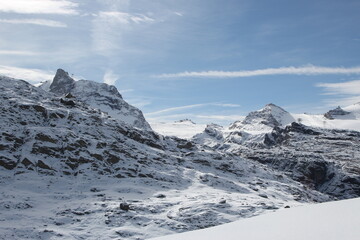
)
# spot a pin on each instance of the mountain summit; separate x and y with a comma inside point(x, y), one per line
point(264, 120)
point(97, 95)
point(62, 83)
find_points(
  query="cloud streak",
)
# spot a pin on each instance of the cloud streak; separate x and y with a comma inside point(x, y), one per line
point(305, 70)
point(63, 7)
point(351, 87)
point(41, 22)
point(186, 107)
point(14, 52)
point(176, 109)
point(32, 75)
point(345, 93)
point(110, 27)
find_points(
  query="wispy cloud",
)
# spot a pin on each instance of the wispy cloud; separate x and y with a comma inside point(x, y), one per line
point(305, 70)
point(126, 90)
point(351, 87)
point(39, 7)
point(138, 102)
point(110, 27)
point(14, 52)
point(125, 18)
point(172, 109)
point(29, 74)
point(186, 107)
point(227, 105)
point(345, 93)
point(41, 22)
point(110, 77)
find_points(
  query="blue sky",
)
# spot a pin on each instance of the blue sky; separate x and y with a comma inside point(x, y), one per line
point(208, 60)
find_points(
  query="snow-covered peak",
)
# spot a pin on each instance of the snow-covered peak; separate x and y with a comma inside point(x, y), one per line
point(97, 95)
point(336, 113)
point(264, 120)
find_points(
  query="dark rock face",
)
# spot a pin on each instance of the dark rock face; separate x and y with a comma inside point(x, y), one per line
point(70, 103)
point(7, 163)
point(332, 114)
point(321, 159)
point(62, 83)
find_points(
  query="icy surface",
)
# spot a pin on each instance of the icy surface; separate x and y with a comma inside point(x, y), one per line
point(326, 221)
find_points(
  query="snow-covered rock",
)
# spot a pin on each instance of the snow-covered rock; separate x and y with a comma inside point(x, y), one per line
point(263, 120)
point(71, 169)
point(336, 113)
point(97, 95)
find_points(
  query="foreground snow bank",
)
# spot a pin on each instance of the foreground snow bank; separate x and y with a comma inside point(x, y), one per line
point(330, 221)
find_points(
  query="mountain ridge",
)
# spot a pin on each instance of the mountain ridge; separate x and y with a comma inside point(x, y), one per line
point(124, 181)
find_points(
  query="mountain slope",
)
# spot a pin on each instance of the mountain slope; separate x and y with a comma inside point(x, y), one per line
point(70, 171)
point(326, 221)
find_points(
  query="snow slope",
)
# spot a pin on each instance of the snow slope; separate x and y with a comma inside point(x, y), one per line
point(182, 129)
point(326, 221)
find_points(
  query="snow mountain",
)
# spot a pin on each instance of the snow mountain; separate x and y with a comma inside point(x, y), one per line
point(78, 162)
point(99, 96)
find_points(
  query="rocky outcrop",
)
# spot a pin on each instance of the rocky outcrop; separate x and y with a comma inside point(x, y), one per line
point(335, 113)
point(62, 83)
point(96, 95)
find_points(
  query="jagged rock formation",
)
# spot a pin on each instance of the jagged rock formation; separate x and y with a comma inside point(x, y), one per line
point(332, 114)
point(322, 159)
point(97, 95)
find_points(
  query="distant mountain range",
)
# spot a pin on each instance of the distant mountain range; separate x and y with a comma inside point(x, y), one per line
point(77, 161)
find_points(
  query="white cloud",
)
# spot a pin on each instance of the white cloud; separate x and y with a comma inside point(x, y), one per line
point(351, 87)
point(227, 105)
point(345, 93)
point(32, 75)
point(41, 22)
point(176, 109)
point(39, 7)
point(110, 27)
point(14, 52)
point(138, 102)
point(126, 90)
point(179, 14)
point(124, 18)
point(305, 70)
point(110, 77)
